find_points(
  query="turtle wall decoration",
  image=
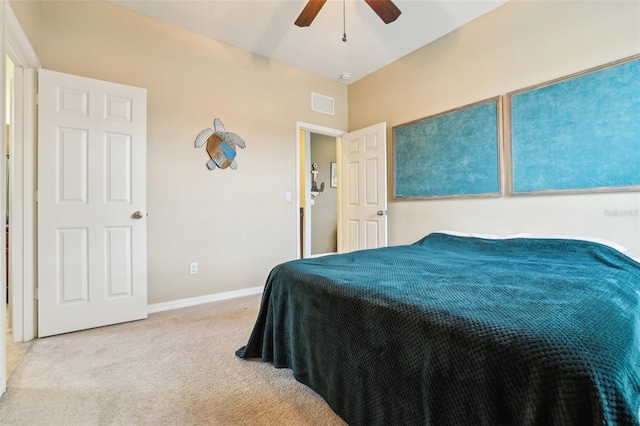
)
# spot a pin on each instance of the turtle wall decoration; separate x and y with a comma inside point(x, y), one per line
point(221, 146)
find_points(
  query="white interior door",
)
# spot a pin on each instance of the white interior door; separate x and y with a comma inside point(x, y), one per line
point(364, 189)
point(92, 267)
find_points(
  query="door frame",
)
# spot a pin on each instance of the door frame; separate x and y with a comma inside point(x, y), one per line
point(314, 128)
point(15, 45)
point(22, 238)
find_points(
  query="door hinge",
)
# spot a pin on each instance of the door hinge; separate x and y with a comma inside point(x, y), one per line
point(35, 195)
point(35, 293)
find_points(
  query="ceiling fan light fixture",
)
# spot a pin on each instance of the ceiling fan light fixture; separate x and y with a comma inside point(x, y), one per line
point(385, 9)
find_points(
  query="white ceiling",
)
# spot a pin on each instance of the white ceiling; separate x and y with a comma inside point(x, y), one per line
point(266, 27)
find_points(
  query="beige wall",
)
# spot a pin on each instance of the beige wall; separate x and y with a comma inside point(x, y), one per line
point(235, 224)
point(28, 14)
point(519, 44)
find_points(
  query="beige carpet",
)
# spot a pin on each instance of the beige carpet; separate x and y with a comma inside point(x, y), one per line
point(176, 368)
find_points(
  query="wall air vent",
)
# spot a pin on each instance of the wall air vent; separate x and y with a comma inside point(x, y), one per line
point(322, 103)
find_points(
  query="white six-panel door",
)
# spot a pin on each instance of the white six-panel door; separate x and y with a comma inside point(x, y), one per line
point(364, 189)
point(92, 268)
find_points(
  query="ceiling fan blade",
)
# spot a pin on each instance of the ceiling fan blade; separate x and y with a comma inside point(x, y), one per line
point(385, 9)
point(309, 12)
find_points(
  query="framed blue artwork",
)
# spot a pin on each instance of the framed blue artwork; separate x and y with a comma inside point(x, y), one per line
point(578, 134)
point(452, 154)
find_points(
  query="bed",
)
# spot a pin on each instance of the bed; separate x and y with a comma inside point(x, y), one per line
point(459, 330)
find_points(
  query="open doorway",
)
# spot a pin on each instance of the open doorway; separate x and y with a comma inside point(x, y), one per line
point(318, 196)
point(322, 211)
point(7, 184)
point(22, 199)
point(11, 357)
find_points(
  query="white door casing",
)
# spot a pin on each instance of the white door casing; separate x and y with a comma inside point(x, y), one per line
point(22, 204)
point(363, 182)
point(92, 266)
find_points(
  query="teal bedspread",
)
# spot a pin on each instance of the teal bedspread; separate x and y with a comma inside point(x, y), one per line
point(461, 331)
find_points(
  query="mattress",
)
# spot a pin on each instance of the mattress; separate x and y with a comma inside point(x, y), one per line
point(461, 331)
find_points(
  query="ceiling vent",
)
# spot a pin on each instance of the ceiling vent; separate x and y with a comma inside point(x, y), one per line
point(322, 103)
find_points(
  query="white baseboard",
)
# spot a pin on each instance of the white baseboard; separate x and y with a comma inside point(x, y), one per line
point(192, 301)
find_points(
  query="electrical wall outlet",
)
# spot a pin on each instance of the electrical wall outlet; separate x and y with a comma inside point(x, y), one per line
point(193, 268)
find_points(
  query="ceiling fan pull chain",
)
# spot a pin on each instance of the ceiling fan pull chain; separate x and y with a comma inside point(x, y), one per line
point(344, 22)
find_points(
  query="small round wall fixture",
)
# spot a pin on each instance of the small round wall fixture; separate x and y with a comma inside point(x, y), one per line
point(345, 76)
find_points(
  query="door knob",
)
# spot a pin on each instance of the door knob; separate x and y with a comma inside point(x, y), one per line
point(380, 212)
point(137, 215)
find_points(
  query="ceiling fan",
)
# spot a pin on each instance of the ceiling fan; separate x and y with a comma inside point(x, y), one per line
point(385, 9)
